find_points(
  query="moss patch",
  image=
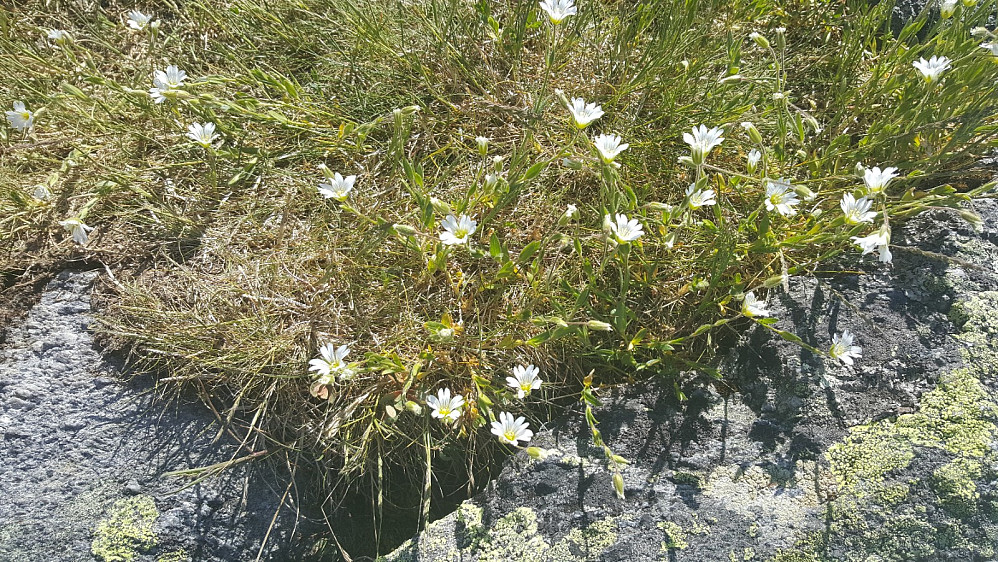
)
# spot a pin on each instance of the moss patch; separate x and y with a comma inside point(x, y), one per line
point(127, 530)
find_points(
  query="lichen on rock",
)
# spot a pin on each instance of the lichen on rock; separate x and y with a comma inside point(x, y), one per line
point(127, 531)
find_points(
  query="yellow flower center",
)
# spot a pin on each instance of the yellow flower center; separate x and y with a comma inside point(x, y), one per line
point(526, 387)
point(444, 411)
point(510, 436)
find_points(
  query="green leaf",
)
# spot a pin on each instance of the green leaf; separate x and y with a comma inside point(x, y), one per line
point(528, 252)
point(534, 171)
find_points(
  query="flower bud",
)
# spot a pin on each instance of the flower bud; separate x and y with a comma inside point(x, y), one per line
point(656, 206)
point(804, 193)
point(686, 160)
point(497, 163)
point(483, 145)
point(752, 161)
point(618, 484)
point(571, 163)
point(491, 180)
point(732, 78)
point(567, 216)
point(539, 453)
point(753, 133)
point(781, 37)
point(409, 110)
point(972, 218)
point(404, 229)
point(440, 207)
point(947, 8)
point(759, 39)
point(597, 325)
point(671, 239)
point(413, 407)
point(775, 281)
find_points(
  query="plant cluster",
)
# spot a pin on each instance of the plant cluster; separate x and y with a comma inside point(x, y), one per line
point(381, 227)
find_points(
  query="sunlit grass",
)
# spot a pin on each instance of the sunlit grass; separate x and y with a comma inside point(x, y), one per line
point(232, 268)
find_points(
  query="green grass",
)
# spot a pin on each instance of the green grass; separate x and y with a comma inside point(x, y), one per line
point(230, 270)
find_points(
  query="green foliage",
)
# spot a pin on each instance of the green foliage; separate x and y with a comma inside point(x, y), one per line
point(231, 270)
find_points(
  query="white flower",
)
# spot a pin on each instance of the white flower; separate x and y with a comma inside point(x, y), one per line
point(445, 406)
point(166, 81)
point(332, 362)
point(879, 240)
point(752, 306)
point(780, 197)
point(457, 230)
point(483, 145)
point(609, 146)
point(947, 8)
point(558, 10)
point(702, 141)
point(623, 230)
point(202, 134)
point(753, 160)
point(524, 380)
point(699, 198)
point(491, 180)
point(855, 210)
point(933, 68)
point(337, 187)
point(876, 179)
point(584, 113)
point(21, 119)
point(41, 192)
point(843, 349)
point(77, 229)
point(510, 430)
point(60, 36)
point(993, 47)
point(139, 21)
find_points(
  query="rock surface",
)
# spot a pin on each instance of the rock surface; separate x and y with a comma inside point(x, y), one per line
point(82, 456)
point(792, 457)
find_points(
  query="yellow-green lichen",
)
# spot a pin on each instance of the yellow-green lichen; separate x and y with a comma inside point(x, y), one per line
point(463, 536)
point(675, 537)
point(175, 556)
point(127, 530)
point(954, 483)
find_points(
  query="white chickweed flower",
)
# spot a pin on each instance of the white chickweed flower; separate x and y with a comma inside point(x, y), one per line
point(876, 179)
point(166, 81)
point(992, 46)
point(781, 197)
point(510, 430)
point(203, 134)
point(337, 187)
point(524, 380)
point(483, 145)
point(699, 198)
point(59, 36)
point(457, 230)
point(933, 68)
point(702, 141)
point(623, 230)
point(331, 363)
point(558, 10)
point(609, 146)
point(754, 156)
point(21, 118)
point(751, 306)
point(843, 349)
point(856, 211)
point(445, 406)
point(140, 22)
point(77, 229)
point(947, 8)
point(879, 240)
point(584, 113)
